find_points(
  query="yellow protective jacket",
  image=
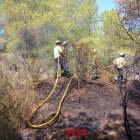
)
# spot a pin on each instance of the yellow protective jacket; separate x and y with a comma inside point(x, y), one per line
point(120, 62)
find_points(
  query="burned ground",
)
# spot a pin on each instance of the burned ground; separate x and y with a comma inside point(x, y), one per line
point(94, 106)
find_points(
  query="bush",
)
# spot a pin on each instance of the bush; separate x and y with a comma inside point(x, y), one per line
point(81, 59)
point(17, 96)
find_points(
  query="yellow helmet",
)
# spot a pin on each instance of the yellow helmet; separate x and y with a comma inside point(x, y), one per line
point(122, 54)
point(65, 43)
point(58, 41)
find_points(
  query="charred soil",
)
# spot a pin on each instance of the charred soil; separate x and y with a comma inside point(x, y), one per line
point(95, 106)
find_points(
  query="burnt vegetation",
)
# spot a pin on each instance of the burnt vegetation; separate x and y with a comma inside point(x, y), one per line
point(28, 30)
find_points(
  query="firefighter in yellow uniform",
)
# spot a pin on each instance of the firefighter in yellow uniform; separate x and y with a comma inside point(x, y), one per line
point(65, 60)
point(59, 57)
point(120, 63)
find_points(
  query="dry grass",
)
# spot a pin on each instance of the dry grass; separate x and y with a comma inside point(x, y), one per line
point(107, 75)
point(17, 95)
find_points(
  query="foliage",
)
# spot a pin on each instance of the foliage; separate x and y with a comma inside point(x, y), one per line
point(31, 24)
point(17, 95)
point(129, 11)
point(31, 28)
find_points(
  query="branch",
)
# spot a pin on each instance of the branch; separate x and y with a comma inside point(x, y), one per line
point(127, 31)
point(118, 35)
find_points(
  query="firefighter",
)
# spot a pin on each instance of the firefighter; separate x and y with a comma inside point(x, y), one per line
point(64, 59)
point(58, 57)
point(120, 63)
point(64, 47)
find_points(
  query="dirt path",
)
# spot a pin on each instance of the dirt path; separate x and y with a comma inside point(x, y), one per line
point(96, 107)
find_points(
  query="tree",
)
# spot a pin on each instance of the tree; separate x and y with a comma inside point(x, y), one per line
point(129, 14)
point(28, 22)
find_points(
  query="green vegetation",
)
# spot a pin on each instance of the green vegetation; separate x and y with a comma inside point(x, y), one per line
point(31, 28)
